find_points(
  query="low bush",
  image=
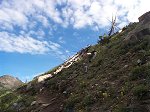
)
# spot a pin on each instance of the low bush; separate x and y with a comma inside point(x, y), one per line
point(140, 72)
point(71, 101)
point(140, 90)
point(88, 100)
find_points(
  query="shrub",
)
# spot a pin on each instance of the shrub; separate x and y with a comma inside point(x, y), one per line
point(88, 100)
point(124, 109)
point(137, 73)
point(140, 46)
point(71, 101)
point(27, 99)
point(52, 84)
point(140, 90)
point(140, 72)
point(6, 100)
point(83, 84)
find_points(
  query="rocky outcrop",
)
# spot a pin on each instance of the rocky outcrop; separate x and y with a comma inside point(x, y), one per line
point(81, 54)
point(43, 77)
point(141, 29)
point(145, 17)
point(9, 82)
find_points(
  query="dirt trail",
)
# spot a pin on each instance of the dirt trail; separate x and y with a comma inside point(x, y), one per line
point(50, 102)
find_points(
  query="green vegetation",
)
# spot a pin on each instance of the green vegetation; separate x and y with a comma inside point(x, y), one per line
point(11, 101)
point(88, 100)
point(140, 72)
point(140, 91)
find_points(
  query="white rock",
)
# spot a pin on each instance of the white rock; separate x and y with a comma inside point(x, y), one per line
point(45, 105)
point(65, 92)
point(33, 103)
point(125, 66)
point(43, 77)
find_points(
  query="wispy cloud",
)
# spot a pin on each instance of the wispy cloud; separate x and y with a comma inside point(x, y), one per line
point(61, 40)
point(13, 43)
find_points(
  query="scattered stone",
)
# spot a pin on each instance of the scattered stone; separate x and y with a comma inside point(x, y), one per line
point(15, 104)
point(45, 105)
point(96, 84)
point(18, 106)
point(65, 92)
point(33, 103)
point(125, 66)
point(41, 89)
point(139, 62)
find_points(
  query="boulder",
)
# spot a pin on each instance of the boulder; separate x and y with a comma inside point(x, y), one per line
point(43, 77)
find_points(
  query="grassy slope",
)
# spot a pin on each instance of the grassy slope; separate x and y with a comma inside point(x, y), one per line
point(113, 82)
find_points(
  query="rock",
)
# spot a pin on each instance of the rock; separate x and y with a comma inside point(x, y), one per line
point(125, 66)
point(65, 92)
point(15, 104)
point(18, 106)
point(45, 104)
point(43, 77)
point(96, 84)
point(145, 17)
point(139, 62)
point(33, 103)
point(41, 89)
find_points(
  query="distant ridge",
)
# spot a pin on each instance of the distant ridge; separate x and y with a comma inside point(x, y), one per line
point(9, 82)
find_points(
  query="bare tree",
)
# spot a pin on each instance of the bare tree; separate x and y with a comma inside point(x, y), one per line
point(113, 27)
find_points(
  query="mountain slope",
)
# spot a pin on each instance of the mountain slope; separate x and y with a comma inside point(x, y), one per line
point(115, 79)
point(9, 82)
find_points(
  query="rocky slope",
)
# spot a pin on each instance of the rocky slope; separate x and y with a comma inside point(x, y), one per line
point(111, 76)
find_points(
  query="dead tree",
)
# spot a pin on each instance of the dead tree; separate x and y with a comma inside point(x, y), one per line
point(113, 24)
point(113, 28)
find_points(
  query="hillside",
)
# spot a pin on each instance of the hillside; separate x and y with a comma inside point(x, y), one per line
point(115, 79)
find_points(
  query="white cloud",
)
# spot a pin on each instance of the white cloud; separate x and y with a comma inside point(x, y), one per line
point(9, 17)
point(13, 43)
point(40, 34)
point(96, 13)
point(43, 20)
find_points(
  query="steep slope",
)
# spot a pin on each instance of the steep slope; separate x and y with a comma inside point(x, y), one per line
point(115, 79)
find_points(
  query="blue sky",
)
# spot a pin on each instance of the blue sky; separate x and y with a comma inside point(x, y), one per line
point(37, 35)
